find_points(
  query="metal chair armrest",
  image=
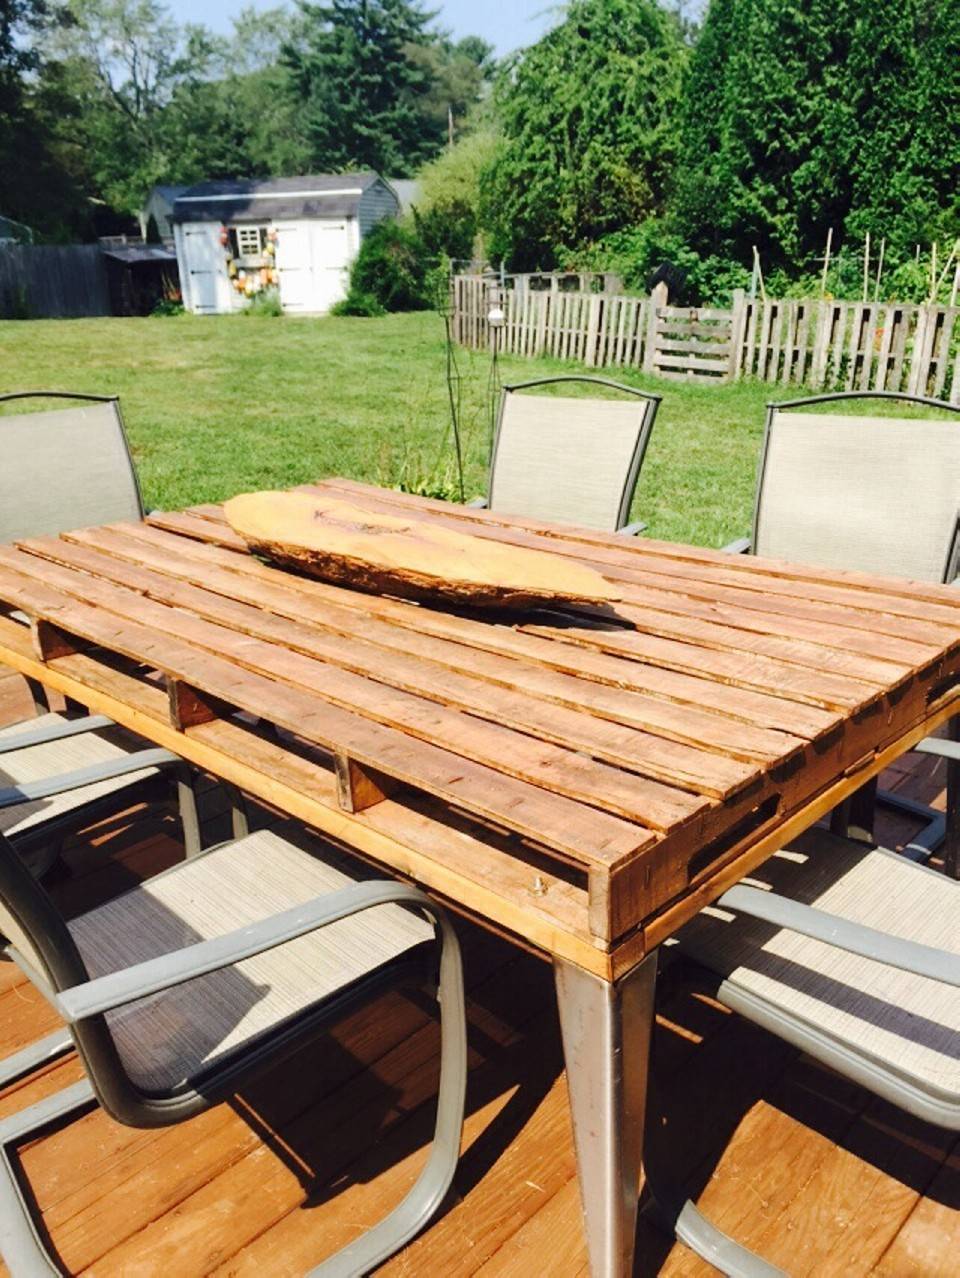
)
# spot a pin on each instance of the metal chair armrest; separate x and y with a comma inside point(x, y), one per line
point(168, 970)
point(54, 732)
point(632, 530)
point(29, 791)
point(855, 938)
point(742, 546)
point(477, 503)
point(940, 747)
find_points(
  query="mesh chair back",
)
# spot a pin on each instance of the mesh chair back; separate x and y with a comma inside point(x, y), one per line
point(65, 468)
point(874, 494)
point(572, 460)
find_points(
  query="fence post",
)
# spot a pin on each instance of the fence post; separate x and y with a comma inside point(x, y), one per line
point(917, 376)
point(737, 327)
point(593, 330)
point(658, 297)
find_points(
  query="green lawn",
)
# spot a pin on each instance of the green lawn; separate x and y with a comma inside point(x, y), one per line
point(217, 405)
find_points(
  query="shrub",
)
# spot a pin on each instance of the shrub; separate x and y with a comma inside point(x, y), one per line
point(265, 305)
point(636, 253)
point(357, 303)
point(390, 270)
point(447, 212)
point(167, 306)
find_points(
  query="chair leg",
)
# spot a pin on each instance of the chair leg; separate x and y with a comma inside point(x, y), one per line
point(853, 818)
point(21, 1242)
point(30, 1058)
point(38, 692)
point(189, 812)
point(941, 828)
point(694, 1230)
point(239, 810)
point(951, 847)
point(424, 1199)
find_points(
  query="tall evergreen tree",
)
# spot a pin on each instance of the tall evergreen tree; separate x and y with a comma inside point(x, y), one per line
point(826, 113)
point(588, 126)
point(361, 87)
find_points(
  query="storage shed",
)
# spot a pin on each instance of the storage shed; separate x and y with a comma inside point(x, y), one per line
point(297, 235)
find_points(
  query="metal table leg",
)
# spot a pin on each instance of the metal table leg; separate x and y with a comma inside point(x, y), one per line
point(606, 1032)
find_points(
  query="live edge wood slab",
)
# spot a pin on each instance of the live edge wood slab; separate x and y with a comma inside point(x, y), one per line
point(583, 778)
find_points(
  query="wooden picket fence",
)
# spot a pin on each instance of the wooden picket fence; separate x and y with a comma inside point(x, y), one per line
point(820, 345)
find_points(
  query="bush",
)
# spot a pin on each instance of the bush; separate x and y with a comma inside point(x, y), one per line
point(390, 270)
point(265, 305)
point(357, 303)
point(636, 253)
point(167, 306)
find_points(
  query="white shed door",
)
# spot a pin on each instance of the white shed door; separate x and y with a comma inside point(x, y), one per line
point(204, 259)
point(312, 261)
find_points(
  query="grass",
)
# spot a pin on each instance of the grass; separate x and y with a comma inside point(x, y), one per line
point(221, 404)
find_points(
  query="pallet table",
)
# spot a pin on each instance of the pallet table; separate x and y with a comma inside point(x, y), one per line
point(583, 780)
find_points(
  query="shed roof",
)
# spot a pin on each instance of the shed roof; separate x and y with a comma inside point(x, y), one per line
point(316, 195)
point(133, 254)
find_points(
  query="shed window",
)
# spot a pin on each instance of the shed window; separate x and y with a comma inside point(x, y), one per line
point(250, 240)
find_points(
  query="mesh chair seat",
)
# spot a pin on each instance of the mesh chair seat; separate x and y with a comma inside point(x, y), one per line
point(172, 1037)
point(52, 758)
point(906, 1024)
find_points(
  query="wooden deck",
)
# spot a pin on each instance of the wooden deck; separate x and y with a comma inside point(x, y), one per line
point(800, 1165)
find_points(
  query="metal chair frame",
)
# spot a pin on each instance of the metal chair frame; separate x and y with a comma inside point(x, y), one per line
point(932, 1104)
point(636, 461)
point(82, 1003)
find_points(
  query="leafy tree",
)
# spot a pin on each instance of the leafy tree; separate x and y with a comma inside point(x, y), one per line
point(902, 122)
point(360, 76)
point(121, 60)
point(798, 117)
point(38, 183)
point(457, 75)
point(447, 211)
point(588, 130)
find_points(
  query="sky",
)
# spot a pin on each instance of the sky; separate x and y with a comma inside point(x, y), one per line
point(507, 24)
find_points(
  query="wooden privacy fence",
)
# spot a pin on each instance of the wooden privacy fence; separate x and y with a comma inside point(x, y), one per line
point(52, 281)
point(824, 345)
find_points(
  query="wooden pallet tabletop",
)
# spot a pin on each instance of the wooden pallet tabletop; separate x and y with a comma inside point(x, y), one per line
point(584, 782)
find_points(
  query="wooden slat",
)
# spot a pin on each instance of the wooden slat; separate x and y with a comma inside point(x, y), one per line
point(519, 805)
point(628, 553)
point(509, 659)
point(477, 866)
point(400, 667)
point(757, 709)
point(860, 605)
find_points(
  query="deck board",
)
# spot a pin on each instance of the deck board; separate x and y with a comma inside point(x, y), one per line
point(792, 1159)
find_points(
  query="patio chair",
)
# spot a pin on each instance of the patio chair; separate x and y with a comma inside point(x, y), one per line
point(58, 774)
point(574, 460)
point(177, 993)
point(66, 468)
point(851, 954)
point(874, 493)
